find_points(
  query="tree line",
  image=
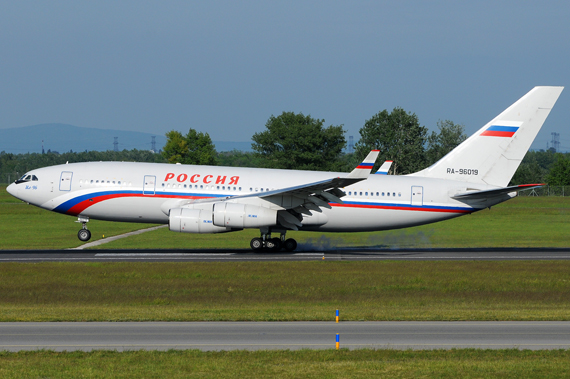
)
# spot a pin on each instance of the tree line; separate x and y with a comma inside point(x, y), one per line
point(297, 141)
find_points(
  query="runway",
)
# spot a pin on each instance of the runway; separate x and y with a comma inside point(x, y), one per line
point(352, 254)
point(121, 336)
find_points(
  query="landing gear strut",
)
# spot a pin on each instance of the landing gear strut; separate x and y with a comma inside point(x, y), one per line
point(84, 234)
point(265, 242)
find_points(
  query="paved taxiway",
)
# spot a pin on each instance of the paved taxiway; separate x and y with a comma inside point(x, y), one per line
point(122, 336)
point(352, 254)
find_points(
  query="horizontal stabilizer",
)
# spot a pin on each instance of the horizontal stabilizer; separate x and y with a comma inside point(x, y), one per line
point(486, 194)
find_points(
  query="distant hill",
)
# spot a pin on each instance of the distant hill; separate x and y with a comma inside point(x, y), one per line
point(63, 138)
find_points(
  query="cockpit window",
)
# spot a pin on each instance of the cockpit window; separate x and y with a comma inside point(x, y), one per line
point(26, 178)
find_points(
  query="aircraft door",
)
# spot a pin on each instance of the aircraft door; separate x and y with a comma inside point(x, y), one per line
point(65, 181)
point(417, 195)
point(149, 185)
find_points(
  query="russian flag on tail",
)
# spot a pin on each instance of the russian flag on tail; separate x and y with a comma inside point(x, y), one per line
point(504, 129)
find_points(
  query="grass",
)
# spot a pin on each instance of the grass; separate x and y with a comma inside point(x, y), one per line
point(263, 291)
point(520, 222)
point(463, 363)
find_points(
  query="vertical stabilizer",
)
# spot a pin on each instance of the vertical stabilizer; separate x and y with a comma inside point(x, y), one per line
point(493, 154)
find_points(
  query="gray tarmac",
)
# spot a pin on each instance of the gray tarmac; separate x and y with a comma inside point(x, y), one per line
point(122, 336)
point(246, 255)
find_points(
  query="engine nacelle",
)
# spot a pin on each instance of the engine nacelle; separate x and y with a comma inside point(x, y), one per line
point(241, 216)
point(186, 220)
point(316, 219)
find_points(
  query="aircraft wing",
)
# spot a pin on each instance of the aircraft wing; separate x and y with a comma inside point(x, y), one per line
point(328, 189)
point(485, 194)
point(305, 198)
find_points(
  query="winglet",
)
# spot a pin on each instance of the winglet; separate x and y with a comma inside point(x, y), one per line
point(363, 170)
point(383, 170)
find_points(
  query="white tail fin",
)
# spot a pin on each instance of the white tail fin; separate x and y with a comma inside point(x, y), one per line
point(494, 152)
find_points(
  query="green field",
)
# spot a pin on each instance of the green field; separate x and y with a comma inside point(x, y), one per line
point(463, 363)
point(288, 291)
point(520, 222)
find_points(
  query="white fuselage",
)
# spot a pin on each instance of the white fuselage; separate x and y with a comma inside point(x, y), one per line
point(143, 192)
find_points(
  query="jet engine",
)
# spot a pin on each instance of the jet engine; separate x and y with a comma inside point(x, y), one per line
point(241, 216)
point(186, 220)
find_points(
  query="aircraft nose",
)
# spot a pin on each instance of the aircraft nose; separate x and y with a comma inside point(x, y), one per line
point(12, 190)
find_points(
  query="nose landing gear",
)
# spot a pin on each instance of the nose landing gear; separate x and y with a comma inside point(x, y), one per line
point(84, 234)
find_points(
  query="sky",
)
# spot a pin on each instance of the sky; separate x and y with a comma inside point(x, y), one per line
point(224, 67)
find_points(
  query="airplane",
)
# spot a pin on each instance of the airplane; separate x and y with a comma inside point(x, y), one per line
point(212, 199)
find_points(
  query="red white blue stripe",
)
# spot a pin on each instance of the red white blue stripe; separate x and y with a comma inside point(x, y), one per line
point(365, 166)
point(500, 131)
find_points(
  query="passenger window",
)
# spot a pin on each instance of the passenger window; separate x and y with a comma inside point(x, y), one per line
point(366, 193)
point(388, 193)
point(376, 193)
point(393, 193)
point(399, 194)
point(382, 193)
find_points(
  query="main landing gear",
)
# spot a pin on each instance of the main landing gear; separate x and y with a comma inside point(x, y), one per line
point(265, 242)
point(84, 234)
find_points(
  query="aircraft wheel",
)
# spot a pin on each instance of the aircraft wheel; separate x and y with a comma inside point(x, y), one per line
point(84, 235)
point(256, 244)
point(276, 244)
point(290, 244)
point(270, 244)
